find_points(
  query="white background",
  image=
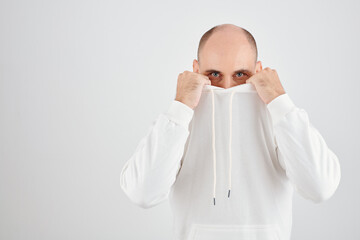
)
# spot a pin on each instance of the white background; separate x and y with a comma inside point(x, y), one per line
point(82, 81)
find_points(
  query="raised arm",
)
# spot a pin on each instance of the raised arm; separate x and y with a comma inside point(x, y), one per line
point(146, 178)
point(148, 175)
point(312, 168)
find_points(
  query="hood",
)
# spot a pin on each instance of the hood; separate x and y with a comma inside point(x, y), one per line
point(217, 107)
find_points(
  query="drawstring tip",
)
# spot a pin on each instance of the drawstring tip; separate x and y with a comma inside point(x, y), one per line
point(214, 201)
point(229, 193)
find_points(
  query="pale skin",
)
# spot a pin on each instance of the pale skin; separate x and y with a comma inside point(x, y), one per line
point(227, 51)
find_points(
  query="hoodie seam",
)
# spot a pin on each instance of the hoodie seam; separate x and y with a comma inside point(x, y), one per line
point(179, 113)
point(279, 107)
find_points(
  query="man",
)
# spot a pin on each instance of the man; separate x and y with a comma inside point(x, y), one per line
point(270, 150)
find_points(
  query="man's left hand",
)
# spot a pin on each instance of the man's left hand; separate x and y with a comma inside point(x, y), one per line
point(267, 84)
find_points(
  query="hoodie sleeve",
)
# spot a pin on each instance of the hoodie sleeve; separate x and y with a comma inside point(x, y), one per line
point(147, 177)
point(312, 168)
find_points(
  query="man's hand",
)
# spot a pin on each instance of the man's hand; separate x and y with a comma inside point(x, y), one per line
point(267, 84)
point(189, 87)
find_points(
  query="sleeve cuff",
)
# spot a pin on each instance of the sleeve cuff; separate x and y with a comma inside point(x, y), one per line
point(279, 107)
point(180, 113)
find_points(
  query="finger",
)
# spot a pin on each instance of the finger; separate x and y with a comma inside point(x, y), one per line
point(252, 78)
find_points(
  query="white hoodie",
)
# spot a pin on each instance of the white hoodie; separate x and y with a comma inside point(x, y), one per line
point(230, 166)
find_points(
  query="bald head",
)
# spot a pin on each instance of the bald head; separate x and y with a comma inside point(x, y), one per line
point(227, 34)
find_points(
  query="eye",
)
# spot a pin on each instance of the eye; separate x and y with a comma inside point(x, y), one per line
point(240, 73)
point(215, 73)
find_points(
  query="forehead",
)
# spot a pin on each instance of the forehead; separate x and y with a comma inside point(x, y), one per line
point(227, 52)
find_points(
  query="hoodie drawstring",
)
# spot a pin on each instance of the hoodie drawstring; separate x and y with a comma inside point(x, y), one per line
point(213, 141)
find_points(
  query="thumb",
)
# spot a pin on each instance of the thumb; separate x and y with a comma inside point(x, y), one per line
point(250, 79)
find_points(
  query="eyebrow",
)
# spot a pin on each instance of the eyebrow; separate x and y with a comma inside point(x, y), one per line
point(237, 71)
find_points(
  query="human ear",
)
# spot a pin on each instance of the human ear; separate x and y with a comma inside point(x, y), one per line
point(258, 67)
point(196, 67)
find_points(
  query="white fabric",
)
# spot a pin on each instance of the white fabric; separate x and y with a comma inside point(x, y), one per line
point(231, 141)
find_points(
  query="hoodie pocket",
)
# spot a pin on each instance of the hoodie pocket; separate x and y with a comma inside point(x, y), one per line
point(233, 232)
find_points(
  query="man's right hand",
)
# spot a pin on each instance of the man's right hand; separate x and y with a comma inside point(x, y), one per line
point(189, 87)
